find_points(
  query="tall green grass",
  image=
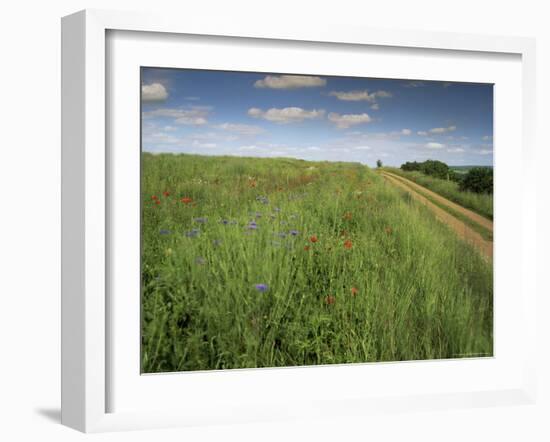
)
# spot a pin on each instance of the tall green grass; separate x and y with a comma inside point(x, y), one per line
point(479, 203)
point(420, 293)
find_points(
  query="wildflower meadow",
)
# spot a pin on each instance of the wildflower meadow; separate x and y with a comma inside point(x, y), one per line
point(260, 262)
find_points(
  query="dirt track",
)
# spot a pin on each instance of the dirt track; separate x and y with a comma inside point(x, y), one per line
point(462, 229)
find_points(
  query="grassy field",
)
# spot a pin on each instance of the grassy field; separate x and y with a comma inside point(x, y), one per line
point(282, 262)
point(479, 203)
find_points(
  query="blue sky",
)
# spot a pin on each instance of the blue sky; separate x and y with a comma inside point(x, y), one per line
point(316, 117)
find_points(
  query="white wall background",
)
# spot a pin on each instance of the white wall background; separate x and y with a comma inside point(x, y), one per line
point(30, 216)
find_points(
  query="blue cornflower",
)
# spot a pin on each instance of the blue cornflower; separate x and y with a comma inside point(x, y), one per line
point(224, 221)
point(261, 287)
point(193, 233)
point(293, 232)
point(201, 220)
point(252, 225)
point(164, 232)
point(262, 199)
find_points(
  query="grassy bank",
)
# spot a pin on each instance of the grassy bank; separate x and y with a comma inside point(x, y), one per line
point(280, 262)
point(479, 203)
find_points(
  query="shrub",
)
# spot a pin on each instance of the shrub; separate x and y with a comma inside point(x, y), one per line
point(434, 168)
point(478, 180)
point(411, 166)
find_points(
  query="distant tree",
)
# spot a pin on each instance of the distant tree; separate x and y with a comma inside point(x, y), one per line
point(378, 163)
point(456, 177)
point(435, 168)
point(410, 166)
point(478, 180)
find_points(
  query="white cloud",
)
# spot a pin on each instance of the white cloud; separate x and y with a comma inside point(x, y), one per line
point(434, 145)
point(289, 82)
point(197, 143)
point(455, 150)
point(406, 132)
point(286, 115)
point(242, 129)
point(153, 92)
point(487, 138)
point(375, 106)
point(347, 120)
point(313, 148)
point(360, 95)
point(194, 117)
point(485, 151)
point(442, 130)
point(422, 133)
point(361, 148)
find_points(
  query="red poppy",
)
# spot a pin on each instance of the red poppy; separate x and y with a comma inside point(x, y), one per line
point(154, 197)
point(166, 193)
point(330, 300)
point(186, 200)
point(354, 291)
point(157, 202)
point(348, 244)
point(306, 248)
point(313, 238)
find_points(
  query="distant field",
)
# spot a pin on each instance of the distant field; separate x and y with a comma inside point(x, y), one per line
point(465, 169)
point(281, 262)
point(479, 203)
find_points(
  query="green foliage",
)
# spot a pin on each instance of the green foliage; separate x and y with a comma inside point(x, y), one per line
point(410, 166)
point(434, 168)
point(355, 270)
point(478, 180)
point(378, 163)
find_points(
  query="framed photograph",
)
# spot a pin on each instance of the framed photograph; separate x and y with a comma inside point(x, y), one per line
point(265, 223)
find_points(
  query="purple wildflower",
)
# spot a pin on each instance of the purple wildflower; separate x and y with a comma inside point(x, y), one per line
point(193, 233)
point(164, 232)
point(261, 287)
point(293, 232)
point(252, 225)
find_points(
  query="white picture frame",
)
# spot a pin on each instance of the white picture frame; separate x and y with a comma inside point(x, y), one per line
point(86, 203)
